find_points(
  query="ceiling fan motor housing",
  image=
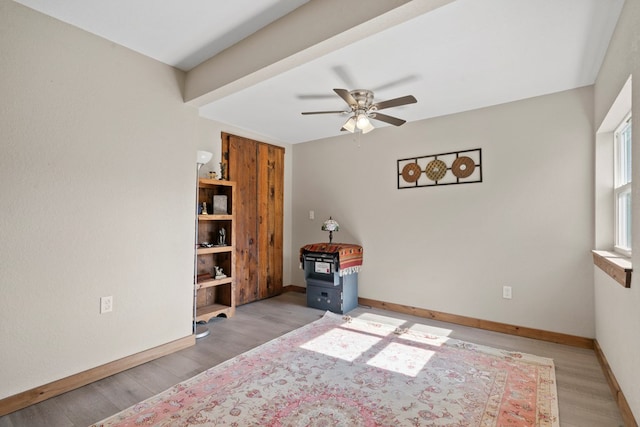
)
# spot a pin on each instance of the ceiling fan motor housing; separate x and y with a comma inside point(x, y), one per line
point(363, 97)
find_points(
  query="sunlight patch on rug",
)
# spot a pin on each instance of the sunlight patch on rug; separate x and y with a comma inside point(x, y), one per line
point(387, 320)
point(343, 344)
point(379, 318)
point(400, 358)
point(339, 371)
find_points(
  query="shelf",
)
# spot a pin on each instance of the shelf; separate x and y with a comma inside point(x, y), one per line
point(207, 183)
point(615, 265)
point(215, 217)
point(214, 250)
point(215, 297)
point(205, 313)
point(213, 282)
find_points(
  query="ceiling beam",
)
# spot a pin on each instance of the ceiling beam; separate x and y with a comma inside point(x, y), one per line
point(314, 29)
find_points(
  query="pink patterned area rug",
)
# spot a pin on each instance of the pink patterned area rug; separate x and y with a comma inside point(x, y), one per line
point(342, 371)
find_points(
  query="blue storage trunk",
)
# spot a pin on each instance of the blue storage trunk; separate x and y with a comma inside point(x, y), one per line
point(326, 289)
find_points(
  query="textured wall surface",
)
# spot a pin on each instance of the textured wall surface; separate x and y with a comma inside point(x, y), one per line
point(617, 314)
point(97, 177)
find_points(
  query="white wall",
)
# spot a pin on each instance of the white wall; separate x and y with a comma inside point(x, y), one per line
point(617, 313)
point(97, 182)
point(528, 225)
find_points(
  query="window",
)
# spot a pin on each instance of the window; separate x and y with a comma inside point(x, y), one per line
point(622, 186)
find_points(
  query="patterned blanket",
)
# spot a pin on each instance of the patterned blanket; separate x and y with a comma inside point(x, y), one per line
point(349, 255)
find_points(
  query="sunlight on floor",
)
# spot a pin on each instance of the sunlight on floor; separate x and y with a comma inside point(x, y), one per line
point(401, 359)
point(433, 330)
point(354, 339)
point(424, 338)
point(394, 321)
point(342, 345)
point(371, 317)
point(348, 343)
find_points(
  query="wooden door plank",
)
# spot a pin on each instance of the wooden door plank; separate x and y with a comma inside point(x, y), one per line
point(264, 228)
point(240, 154)
point(277, 158)
point(270, 205)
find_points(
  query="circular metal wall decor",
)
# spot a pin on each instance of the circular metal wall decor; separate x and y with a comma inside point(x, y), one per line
point(411, 172)
point(463, 167)
point(436, 170)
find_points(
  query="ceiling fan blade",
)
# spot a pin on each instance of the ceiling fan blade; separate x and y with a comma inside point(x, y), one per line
point(344, 94)
point(388, 119)
point(397, 82)
point(315, 96)
point(324, 112)
point(396, 102)
point(344, 75)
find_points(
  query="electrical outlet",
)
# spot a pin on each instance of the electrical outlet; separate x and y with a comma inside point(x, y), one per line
point(106, 304)
point(506, 292)
point(312, 215)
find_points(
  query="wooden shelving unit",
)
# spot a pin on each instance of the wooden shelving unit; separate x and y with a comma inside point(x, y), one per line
point(215, 297)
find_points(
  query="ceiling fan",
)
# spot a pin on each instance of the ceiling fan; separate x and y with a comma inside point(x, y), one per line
point(362, 109)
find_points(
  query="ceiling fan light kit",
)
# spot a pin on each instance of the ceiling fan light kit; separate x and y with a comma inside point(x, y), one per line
point(362, 121)
point(362, 109)
point(350, 125)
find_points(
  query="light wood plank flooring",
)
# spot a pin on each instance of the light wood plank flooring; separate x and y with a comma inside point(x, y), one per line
point(584, 396)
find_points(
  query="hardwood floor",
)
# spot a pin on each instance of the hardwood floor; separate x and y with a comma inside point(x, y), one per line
point(584, 396)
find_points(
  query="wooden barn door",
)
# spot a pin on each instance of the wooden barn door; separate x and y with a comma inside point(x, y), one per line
point(258, 169)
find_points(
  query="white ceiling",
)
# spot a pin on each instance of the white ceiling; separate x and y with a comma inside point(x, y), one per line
point(465, 55)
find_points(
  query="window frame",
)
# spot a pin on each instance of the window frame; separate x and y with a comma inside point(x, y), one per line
point(622, 188)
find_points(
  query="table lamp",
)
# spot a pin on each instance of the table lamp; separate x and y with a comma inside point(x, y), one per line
point(330, 225)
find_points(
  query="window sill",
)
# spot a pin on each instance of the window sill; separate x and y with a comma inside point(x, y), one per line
point(615, 265)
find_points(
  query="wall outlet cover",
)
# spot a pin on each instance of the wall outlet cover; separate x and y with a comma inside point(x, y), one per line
point(106, 304)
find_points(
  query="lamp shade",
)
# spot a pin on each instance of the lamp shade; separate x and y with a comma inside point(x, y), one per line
point(331, 225)
point(350, 125)
point(367, 128)
point(362, 121)
point(203, 157)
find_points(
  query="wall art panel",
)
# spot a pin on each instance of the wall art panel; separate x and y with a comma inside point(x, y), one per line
point(458, 167)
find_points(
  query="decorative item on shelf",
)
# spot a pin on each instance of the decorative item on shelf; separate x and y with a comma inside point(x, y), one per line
point(212, 175)
point(330, 225)
point(222, 237)
point(219, 274)
point(220, 205)
point(204, 209)
point(206, 245)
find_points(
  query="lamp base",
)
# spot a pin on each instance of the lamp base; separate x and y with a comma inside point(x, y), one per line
point(201, 331)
